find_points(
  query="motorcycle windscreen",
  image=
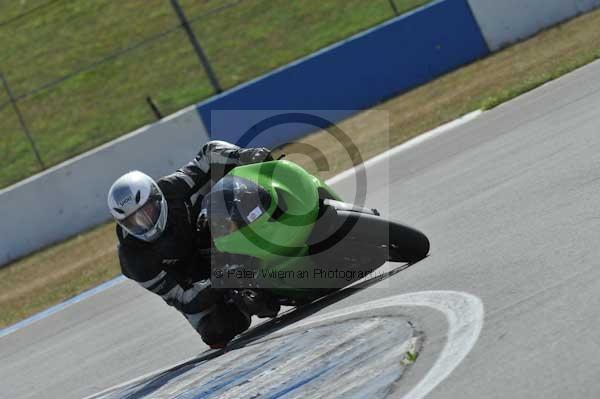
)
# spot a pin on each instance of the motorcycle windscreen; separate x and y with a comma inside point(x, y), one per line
point(233, 203)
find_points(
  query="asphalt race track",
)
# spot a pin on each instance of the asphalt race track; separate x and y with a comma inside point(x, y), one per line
point(506, 305)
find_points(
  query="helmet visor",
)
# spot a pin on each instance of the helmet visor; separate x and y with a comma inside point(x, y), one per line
point(233, 203)
point(144, 219)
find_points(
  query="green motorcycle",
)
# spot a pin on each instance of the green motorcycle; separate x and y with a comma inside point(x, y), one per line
point(303, 240)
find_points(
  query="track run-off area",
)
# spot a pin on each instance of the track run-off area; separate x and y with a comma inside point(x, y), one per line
point(506, 305)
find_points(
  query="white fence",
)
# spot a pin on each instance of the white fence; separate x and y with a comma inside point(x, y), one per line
point(71, 197)
point(503, 22)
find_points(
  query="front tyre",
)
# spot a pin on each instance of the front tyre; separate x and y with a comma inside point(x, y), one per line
point(404, 243)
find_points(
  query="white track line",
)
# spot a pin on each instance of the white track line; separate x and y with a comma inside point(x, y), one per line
point(464, 313)
point(344, 175)
point(407, 145)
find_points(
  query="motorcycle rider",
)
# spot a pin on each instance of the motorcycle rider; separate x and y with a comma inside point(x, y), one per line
point(160, 246)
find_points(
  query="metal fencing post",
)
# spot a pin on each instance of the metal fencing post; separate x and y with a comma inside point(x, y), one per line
point(394, 8)
point(197, 48)
point(154, 108)
point(13, 101)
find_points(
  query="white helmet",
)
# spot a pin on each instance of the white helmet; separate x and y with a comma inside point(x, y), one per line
point(138, 205)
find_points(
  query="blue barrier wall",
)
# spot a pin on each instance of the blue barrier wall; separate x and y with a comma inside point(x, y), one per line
point(352, 75)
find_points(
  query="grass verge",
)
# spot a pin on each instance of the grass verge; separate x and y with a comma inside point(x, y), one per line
point(108, 97)
point(57, 273)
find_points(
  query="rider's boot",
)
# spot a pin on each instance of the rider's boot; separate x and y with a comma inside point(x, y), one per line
point(222, 325)
point(257, 303)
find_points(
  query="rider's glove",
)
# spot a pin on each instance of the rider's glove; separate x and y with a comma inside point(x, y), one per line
point(255, 155)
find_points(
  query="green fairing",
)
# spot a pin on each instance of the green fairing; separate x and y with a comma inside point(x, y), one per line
point(279, 244)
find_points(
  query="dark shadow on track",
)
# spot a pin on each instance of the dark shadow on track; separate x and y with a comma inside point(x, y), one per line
point(304, 311)
point(153, 383)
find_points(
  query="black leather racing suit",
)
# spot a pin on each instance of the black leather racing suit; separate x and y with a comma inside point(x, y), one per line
point(177, 265)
